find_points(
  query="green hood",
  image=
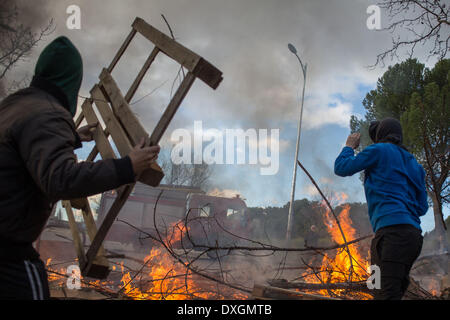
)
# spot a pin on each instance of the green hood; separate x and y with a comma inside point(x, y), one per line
point(60, 64)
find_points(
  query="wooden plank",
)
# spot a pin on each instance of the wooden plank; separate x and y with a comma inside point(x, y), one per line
point(112, 124)
point(187, 58)
point(131, 124)
point(94, 152)
point(79, 120)
point(75, 232)
point(141, 74)
point(101, 141)
point(151, 177)
point(263, 292)
point(121, 108)
point(101, 262)
point(122, 196)
point(284, 284)
point(122, 50)
point(171, 109)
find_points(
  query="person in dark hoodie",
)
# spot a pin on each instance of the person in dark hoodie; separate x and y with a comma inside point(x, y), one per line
point(394, 184)
point(38, 166)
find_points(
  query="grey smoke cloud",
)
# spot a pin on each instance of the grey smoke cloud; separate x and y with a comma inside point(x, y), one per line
point(247, 40)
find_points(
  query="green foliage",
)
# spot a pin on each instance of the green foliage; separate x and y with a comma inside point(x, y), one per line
point(426, 121)
point(309, 223)
point(394, 89)
point(392, 96)
point(420, 99)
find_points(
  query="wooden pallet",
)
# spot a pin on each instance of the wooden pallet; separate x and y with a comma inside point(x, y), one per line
point(126, 131)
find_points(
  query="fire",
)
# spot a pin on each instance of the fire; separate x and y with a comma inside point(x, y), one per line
point(167, 279)
point(58, 278)
point(162, 277)
point(54, 275)
point(342, 267)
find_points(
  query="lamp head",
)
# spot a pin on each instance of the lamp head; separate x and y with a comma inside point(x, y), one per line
point(292, 48)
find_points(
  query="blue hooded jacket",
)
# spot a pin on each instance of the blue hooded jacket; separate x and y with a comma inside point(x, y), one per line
point(394, 183)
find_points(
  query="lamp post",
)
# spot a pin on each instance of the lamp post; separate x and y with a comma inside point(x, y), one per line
point(291, 205)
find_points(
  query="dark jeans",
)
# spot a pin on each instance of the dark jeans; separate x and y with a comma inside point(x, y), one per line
point(394, 249)
point(23, 280)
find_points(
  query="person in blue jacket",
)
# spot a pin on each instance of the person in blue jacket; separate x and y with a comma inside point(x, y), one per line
point(394, 185)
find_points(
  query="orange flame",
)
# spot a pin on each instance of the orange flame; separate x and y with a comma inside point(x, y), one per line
point(169, 280)
point(162, 277)
point(337, 269)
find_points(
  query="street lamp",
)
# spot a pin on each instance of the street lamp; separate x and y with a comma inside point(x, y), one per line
point(291, 205)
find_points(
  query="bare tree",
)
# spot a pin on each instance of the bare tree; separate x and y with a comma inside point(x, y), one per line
point(417, 23)
point(194, 175)
point(16, 37)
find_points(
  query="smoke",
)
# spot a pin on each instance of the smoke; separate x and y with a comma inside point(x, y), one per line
point(247, 40)
point(20, 25)
point(227, 193)
point(35, 16)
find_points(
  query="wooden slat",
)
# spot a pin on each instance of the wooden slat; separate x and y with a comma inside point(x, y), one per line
point(101, 141)
point(149, 176)
point(171, 109)
point(91, 229)
point(94, 152)
point(122, 50)
point(112, 124)
point(131, 124)
point(79, 120)
point(188, 59)
point(75, 232)
point(122, 196)
point(121, 109)
point(141, 74)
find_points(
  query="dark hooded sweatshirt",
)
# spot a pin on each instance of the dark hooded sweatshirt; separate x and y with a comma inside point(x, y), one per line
point(37, 162)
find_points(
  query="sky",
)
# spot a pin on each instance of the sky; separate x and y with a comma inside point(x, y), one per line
point(247, 40)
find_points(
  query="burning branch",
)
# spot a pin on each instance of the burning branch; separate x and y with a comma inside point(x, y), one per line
point(335, 217)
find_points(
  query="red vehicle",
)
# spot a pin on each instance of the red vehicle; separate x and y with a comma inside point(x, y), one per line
point(210, 219)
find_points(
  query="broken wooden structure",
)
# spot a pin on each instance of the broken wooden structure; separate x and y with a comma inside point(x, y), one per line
point(126, 131)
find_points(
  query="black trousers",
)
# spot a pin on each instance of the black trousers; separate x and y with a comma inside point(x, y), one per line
point(23, 280)
point(394, 250)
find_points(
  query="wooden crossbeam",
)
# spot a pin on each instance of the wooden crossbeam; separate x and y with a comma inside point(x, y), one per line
point(141, 74)
point(100, 262)
point(79, 249)
point(122, 110)
point(113, 125)
point(101, 140)
point(122, 50)
point(201, 68)
point(172, 109)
